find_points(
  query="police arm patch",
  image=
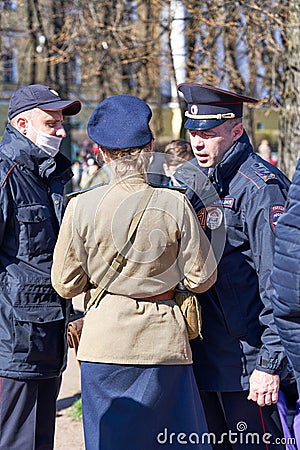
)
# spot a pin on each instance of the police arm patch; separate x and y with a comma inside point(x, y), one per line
point(275, 214)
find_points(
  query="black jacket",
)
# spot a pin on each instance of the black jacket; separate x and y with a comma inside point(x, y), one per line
point(32, 315)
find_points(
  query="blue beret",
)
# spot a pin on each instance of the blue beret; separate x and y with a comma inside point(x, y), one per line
point(120, 122)
point(42, 97)
point(209, 107)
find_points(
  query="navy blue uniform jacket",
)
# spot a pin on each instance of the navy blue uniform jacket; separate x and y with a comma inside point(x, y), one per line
point(286, 276)
point(239, 333)
point(32, 315)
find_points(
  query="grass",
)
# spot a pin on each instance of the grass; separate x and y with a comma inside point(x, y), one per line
point(75, 411)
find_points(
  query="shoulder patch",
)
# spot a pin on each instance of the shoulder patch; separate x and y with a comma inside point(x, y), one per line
point(214, 218)
point(263, 172)
point(82, 191)
point(275, 213)
point(211, 217)
point(180, 188)
point(202, 214)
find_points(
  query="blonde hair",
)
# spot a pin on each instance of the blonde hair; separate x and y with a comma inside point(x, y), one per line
point(130, 159)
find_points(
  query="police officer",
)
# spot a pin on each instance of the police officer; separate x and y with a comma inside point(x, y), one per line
point(238, 362)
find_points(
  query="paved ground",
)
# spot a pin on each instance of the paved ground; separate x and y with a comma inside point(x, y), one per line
point(69, 433)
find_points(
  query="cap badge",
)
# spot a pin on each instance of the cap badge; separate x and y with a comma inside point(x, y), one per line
point(54, 92)
point(194, 109)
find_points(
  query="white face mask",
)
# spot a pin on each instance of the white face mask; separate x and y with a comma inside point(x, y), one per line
point(50, 144)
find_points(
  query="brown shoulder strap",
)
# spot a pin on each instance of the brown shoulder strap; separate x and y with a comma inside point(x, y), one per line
point(118, 262)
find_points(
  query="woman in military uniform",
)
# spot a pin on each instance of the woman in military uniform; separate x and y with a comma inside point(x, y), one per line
point(138, 387)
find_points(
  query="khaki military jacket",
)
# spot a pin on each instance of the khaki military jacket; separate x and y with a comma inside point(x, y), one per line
point(169, 246)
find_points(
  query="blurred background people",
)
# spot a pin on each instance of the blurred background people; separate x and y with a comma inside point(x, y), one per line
point(156, 173)
point(96, 172)
point(89, 168)
point(177, 152)
point(265, 151)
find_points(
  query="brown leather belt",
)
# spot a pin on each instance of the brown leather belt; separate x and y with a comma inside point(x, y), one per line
point(169, 295)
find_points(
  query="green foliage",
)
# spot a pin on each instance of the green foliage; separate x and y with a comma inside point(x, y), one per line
point(75, 411)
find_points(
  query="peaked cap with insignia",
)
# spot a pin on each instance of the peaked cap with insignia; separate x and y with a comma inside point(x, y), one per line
point(209, 106)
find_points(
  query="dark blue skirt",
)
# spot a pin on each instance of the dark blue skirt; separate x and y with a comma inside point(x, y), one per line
point(141, 408)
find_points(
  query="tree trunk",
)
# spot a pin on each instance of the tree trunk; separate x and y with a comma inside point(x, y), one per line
point(289, 122)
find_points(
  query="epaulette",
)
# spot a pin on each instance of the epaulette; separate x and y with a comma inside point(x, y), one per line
point(9, 166)
point(264, 173)
point(180, 188)
point(82, 191)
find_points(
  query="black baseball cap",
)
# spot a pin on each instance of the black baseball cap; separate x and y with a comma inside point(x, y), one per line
point(42, 97)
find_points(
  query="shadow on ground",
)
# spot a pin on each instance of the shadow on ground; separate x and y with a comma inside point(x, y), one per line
point(64, 403)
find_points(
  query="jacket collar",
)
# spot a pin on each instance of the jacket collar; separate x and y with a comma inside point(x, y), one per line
point(20, 149)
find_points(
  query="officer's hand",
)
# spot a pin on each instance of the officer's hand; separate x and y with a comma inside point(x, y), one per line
point(263, 388)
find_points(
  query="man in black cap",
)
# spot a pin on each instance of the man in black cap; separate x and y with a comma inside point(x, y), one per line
point(33, 316)
point(239, 361)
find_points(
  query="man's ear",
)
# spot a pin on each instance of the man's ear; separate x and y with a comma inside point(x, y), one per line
point(237, 131)
point(22, 125)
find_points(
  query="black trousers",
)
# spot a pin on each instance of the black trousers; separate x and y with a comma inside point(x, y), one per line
point(27, 413)
point(237, 423)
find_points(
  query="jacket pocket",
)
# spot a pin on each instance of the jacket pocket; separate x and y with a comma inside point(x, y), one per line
point(38, 336)
point(230, 303)
point(36, 234)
